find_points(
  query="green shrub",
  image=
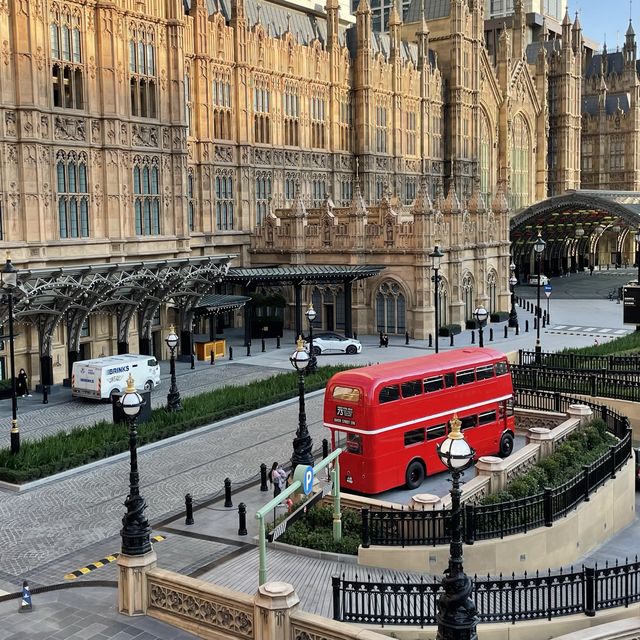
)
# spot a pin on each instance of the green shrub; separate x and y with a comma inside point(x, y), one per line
point(449, 330)
point(499, 316)
point(471, 324)
point(625, 345)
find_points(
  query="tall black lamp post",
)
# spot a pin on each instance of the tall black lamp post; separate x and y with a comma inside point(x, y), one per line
point(302, 443)
point(513, 281)
point(481, 315)
point(173, 397)
point(135, 530)
point(638, 253)
point(436, 260)
point(456, 610)
point(9, 279)
point(538, 247)
point(311, 316)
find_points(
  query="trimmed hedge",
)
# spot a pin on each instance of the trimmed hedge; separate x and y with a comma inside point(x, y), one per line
point(499, 316)
point(449, 329)
point(471, 324)
point(625, 345)
point(61, 451)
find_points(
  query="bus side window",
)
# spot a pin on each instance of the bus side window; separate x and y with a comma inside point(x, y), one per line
point(468, 422)
point(449, 380)
point(465, 377)
point(483, 373)
point(411, 388)
point(354, 443)
point(501, 368)
point(389, 394)
point(487, 417)
point(339, 439)
point(433, 384)
point(413, 437)
point(436, 432)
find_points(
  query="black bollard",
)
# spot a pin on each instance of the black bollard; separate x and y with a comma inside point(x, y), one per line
point(381, 340)
point(451, 341)
point(188, 505)
point(355, 335)
point(264, 346)
point(193, 360)
point(325, 448)
point(248, 350)
point(263, 477)
point(490, 334)
point(227, 493)
point(430, 341)
point(535, 323)
point(506, 331)
point(242, 519)
point(544, 321)
point(518, 329)
point(213, 357)
point(406, 337)
point(45, 394)
point(473, 336)
point(278, 342)
point(526, 326)
point(230, 353)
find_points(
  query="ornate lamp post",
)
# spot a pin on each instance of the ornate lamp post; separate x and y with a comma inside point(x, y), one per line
point(311, 316)
point(436, 259)
point(638, 253)
point(9, 280)
point(302, 443)
point(456, 610)
point(538, 247)
point(135, 527)
point(173, 397)
point(481, 315)
point(513, 281)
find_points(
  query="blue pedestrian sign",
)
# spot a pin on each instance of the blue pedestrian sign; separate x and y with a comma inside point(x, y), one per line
point(547, 290)
point(305, 475)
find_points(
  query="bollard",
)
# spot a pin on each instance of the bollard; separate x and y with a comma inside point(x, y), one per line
point(45, 394)
point(264, 346)
point(430, 341)
point(230, 353)
point(535, 323)
point(242, 519)
point(188, 505)
point(193, 360)
point(381, 342)
point(278, 342)
point(355, 335)
point(490, 334)
point(544, 321)
point(263, 477)
point(227, 493)
point(325, 448)
point(213, 357)
point(248, 350)
point(518, 329)
point(406, 337)
point(473, 336)
point(451, 341)
point(526, 326)
point(506, 331)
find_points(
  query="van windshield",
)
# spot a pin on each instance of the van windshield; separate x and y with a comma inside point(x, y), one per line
point(152, 362)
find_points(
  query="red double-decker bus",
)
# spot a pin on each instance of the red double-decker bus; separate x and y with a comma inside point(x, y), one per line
point(390, 417)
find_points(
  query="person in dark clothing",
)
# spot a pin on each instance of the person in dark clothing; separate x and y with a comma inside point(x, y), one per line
point(22, 387)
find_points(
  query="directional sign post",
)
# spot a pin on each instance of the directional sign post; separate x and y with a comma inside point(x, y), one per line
point(547, 292)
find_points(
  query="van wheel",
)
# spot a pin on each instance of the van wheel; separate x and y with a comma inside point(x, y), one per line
point(414, 476)
point(112, 394)
point(148, 385)
point(506, 445)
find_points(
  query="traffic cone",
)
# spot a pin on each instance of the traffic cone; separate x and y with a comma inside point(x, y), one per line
point(26, 598)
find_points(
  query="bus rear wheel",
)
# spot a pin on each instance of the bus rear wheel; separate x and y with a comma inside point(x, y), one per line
point(506, 445)
point(414, 476)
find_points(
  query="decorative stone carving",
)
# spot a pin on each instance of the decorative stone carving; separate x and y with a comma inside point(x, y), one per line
point(223, 154)
point(12, 153)
point(123, 134)
point(10, 123)
point(6, 53)
point(39, 58)
point(68, 128)
point(44, 126)
point(291, 158)
point(262, 156)
point(26, 120)
point(144, 136)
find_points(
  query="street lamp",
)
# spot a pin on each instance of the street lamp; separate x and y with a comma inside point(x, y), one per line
point(638, 253)
point(311, 316)
point(173, 397)
point(9, 281)
point(481, 315)
point(538, 247)
point(302, 443)
point(135, 527)
point(436, 259)
point(513, 281)
point(456, 611)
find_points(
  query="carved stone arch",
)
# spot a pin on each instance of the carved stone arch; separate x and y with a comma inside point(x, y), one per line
point(390, 301)
point(467, 294)
point(492, 289)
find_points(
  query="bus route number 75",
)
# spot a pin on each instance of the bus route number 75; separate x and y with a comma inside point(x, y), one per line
point(344, 412)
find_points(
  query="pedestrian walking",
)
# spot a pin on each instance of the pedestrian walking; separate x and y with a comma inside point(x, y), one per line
point(22, 386)
point(278, 478)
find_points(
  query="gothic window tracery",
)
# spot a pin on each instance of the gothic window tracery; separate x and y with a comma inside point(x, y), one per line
point(346, 122)
point(346, 191)
point(221, 92)
point(318, 190)
point(486, 146)
point(410, 132)
point(382, 117)
point(467, 296)
point(188, 103)
point(67, 68)
point(72, 194)
point(191, 199)
point(290, 186)
point(263, 195)
point(224, 201)
point(146, 190)
point(492, 290)
point(142, 71)
point(291, 109)
point(317, 115)
point(261, 113)
point(390, 308)
point(520, 163)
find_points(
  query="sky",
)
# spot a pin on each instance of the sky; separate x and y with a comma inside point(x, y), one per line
point(610, 17)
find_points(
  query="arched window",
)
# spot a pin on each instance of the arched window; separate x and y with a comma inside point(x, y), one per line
point(486, 146)
point(142, 70)
point(224, 201)
point(221, 92)
point(492, 290)
point(390, 308)
point(467, 296)
point(443, 303)
point(73, 195)
point(191, 200)
point(146, 194)
point(263, 195)
point(66, 59)
point(520, 163)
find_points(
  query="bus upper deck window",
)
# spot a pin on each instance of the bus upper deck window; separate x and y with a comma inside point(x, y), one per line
point(483, 373)
point(354, 443)
point(389, 394)
point(433, 384)
point(465, 377)
point(350, 394)
point(449, 379)
point(501, 368)
point(411, 388)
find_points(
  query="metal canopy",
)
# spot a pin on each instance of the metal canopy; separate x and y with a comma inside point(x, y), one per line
point(214, 303)
point(301, 274)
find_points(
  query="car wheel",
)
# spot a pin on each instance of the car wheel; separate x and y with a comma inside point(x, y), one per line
point(506, 445)
point(414, 476)
point(316, 350)
point(352, 349)
point(148, 385)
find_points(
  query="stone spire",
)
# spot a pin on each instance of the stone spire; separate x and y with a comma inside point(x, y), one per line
point(451, 203)
point(476, 202)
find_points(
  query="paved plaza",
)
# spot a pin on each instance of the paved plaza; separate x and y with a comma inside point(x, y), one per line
point(56, 527)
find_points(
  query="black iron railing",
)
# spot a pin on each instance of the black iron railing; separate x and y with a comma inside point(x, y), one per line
point(573, 361)
point(529, 597)
point(430, 527)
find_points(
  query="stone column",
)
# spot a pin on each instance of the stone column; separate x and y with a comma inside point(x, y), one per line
point(581, 411)
point(132, 583)
point(274, 603)
point(543, 437)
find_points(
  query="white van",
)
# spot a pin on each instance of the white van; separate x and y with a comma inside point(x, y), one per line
point(99, 378)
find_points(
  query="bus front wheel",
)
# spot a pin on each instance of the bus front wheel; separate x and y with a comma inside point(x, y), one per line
point(415, 475)
point(506, 445)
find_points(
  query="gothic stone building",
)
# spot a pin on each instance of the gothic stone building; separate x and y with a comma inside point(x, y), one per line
point(136, 129)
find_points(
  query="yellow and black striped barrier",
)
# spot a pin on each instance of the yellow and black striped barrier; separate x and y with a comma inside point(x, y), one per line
point(101, 563)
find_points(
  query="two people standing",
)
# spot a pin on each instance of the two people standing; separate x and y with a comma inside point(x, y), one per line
point(278, 478)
